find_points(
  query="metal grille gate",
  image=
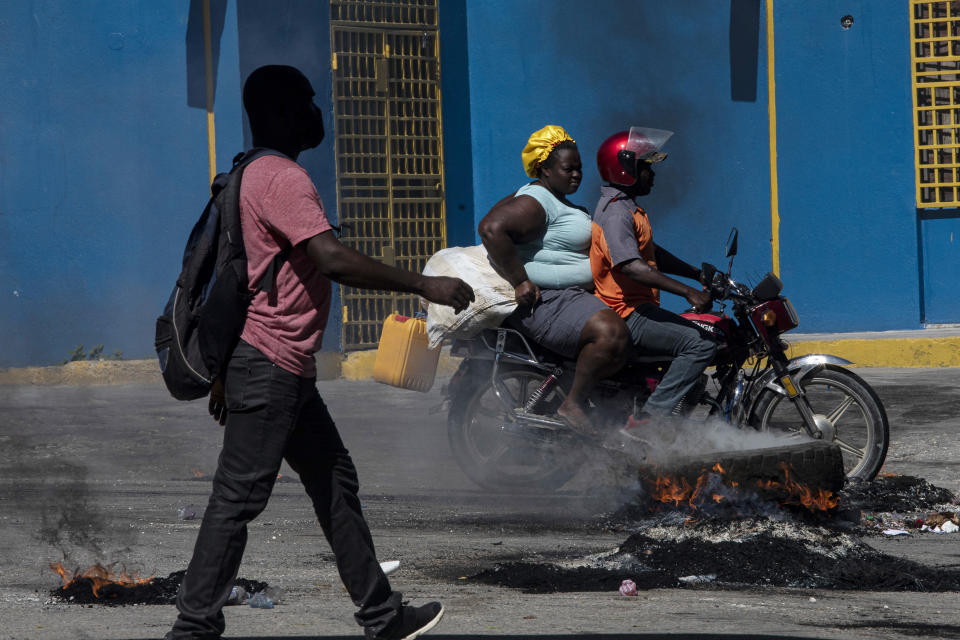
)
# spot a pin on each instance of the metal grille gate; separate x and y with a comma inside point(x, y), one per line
point(386, 103)
point(935, 57)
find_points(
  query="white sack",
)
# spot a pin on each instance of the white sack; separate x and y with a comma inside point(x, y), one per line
point(494, 295)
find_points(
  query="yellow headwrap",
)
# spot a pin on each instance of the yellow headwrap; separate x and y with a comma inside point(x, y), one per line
point(539, 146)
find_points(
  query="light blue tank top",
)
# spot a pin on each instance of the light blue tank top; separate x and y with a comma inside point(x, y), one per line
point(561, 258)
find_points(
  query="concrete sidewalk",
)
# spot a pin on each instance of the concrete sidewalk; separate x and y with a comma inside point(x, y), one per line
point(923, 348)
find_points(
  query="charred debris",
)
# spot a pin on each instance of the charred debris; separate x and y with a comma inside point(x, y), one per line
point(760, 539)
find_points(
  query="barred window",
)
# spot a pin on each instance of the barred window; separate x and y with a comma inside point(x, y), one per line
point(935, 58)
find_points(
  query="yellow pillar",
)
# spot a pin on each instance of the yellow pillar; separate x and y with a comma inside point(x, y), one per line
point(208, 60)
point(772, 115)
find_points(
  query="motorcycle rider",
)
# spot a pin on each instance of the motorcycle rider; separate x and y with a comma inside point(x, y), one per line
point(629, 270)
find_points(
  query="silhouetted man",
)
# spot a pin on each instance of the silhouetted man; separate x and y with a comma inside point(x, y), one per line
point(268, 399)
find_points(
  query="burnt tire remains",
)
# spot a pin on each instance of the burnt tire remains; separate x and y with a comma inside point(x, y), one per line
point(816, 464)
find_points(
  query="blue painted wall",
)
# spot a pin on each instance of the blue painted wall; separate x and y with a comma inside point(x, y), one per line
point(102, 162)
point(849, 255)
point(847, 196)
point(103, 144)
point(631, 63)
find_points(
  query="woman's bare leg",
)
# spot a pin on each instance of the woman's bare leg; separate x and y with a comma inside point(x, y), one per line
point(603, 349)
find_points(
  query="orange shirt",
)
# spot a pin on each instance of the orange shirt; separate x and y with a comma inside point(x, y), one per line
point(621, 232)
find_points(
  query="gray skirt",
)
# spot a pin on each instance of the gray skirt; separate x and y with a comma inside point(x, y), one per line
point(557, 320)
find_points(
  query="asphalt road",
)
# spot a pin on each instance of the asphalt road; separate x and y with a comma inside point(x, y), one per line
point(104, 473)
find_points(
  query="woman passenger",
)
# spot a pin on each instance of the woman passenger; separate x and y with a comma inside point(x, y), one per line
point(540, 242)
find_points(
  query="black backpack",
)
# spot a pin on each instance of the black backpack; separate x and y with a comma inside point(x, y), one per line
point(203, 319)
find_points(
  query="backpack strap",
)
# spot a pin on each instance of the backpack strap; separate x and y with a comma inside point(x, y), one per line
point(270, 275)
point(240, 162)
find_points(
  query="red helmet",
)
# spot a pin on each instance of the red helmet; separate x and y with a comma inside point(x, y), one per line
point(617, 157)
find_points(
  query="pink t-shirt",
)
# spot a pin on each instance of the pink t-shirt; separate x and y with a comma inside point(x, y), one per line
point(280, 207)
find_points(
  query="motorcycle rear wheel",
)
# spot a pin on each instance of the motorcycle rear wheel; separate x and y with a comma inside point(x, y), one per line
point(499, 460)
point(859, 420)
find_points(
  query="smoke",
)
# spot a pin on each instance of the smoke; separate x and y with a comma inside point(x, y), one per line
point(611, 473)
point(683, 438)
point(53, 498)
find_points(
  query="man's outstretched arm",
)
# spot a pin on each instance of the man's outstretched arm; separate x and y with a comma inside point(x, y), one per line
point(641, 272)
point(669, 263)
point(352, 268)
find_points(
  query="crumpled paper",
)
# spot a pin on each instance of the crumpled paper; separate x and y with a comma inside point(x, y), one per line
point(628, 588)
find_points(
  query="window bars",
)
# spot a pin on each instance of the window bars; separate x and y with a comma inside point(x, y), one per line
point(935, 65)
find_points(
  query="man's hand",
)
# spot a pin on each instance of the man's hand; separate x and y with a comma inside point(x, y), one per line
point(218, 404)
point(527, 294)
point(699, 300)
point(452, 292)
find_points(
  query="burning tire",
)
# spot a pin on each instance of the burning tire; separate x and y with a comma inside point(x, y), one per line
point(816, 464)
point(805, 474)
point(846, 405)
point(483, 444)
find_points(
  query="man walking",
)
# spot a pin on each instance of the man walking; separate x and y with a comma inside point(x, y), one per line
point(268, 400)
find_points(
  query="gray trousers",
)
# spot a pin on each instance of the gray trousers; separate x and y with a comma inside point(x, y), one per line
point(656, 331)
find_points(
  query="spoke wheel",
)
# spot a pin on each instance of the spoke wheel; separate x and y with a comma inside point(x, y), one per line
point(496, 458)
point(844, 402)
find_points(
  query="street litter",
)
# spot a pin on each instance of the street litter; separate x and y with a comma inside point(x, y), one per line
point(942, 522)
point(389, 566)
point(260, 601)
point(238, 595)
point(628, 588)
point(189, 512)
point(896, 532)
point(710, 577)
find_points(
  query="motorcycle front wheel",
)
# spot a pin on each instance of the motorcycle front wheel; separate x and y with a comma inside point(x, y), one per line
point(848, 404)
point(495, 452)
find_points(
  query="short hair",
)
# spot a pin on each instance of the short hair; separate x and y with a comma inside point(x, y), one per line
point(552, 157)
point(270, 87)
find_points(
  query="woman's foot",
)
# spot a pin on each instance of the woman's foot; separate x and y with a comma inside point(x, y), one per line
point(573, 415)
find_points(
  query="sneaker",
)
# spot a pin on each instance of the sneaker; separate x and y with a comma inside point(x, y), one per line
point(412, 622)
point(630, 437)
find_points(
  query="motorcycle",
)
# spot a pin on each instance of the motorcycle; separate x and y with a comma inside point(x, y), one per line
point(502, 423)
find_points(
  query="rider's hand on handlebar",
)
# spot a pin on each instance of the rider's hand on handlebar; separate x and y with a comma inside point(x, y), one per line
point(527, 294)
point(699, 300)
point(707, 272)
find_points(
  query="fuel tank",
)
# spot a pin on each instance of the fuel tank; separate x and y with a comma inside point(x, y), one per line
point(720, 328)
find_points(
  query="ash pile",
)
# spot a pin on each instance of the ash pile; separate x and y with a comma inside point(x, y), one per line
point(709, 531)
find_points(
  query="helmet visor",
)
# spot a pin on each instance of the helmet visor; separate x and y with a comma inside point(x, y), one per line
point(646, 143)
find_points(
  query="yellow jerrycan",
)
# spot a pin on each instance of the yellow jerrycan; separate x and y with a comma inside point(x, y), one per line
point(403, 359)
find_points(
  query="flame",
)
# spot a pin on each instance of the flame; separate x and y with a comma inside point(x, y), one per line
point(56, 566)
point(675, 489)
point(800, 493)
point(99, 577)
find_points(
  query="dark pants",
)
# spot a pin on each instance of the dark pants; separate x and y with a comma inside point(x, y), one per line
point(276, 415)
point(656, 331)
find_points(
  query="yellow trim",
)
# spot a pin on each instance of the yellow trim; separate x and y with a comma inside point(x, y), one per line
point(208, 61)
point(772, 114)
point(886, 352)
